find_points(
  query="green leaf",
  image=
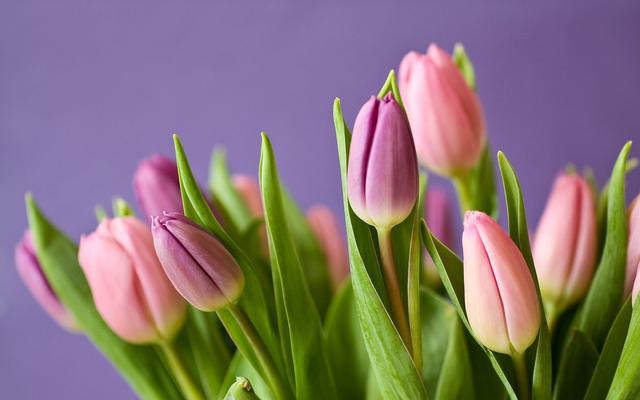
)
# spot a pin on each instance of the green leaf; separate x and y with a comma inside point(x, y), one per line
point(578, 362)
point(396, 375)
point(482, 182)
point(139, 365)
point(464, 64)
point(626, 381)
point(604, 297)
point(519, 232)
point(456, 378)
point(121, 208)
point(345, 346)
point(298, 319)
point(606, 366)
point(241, 367)
point(241, 390)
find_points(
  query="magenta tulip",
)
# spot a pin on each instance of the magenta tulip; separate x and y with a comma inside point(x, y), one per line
point(33, 276)
point(382, 172)
point(325, 227)
point(129, 287)
point(446, 117)
point(197, 264)
point(633, 245)
point(499, 292)
point(157, 186)
point(564, 247)
point(439, 218)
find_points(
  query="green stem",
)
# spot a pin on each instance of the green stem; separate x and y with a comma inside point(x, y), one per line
point(188, 387)
point(413, 296)
point(552, 313)
point(269, 367)
point(465, 195)
point(520, 366)
point(393, 288)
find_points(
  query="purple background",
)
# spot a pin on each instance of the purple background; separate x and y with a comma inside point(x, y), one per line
point(86, 90)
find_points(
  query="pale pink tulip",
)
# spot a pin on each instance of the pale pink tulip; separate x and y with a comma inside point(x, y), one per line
point(248, 188)
point(633, 246)
point(499, 292)
point(325, 227)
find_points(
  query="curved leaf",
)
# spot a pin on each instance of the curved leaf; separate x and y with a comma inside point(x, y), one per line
point(626, 381)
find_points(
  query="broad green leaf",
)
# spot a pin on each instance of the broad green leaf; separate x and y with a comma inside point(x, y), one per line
point(298, 319)
point(608, 360)
point(396, 375)
point(345, 345)
point(239, 366)
point(604, 297)
point(456, 378)
point(626, 381)
point(58, 255)
point(577, 364)
point(486, 383)
point(450, 270)
point(519, 232)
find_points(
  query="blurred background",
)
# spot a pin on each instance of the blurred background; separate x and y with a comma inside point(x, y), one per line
point(87, 89)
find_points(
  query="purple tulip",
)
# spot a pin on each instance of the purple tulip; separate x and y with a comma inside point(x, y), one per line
point(439, 218)
point(30, 271)
point(329, 235)
point(383, 171)
point(633, 247)
point(197, 264)
point(157, 186)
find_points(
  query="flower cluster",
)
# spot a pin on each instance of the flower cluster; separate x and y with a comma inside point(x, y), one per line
point(237, 281)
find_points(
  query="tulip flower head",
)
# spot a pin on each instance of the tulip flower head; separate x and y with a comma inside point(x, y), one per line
point(564, 247)
point(446, 117)
point(33, 276)
point(499, 292)
point(157, 186)
point(325, 227)
point(129, 287)
point(382, 173)
point(439, 218)
point(633, 246)
point(197, 264)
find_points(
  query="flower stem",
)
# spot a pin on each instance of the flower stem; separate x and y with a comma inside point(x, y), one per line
point(463, 189)
point(269, 367)
point(413, 296)
point(521, 375)
point(551, 312)
point(188, 387)
point(393, 288)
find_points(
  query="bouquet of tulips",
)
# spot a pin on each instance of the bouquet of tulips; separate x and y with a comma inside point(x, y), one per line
point(232, 292)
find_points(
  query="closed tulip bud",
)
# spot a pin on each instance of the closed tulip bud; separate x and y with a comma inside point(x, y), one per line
point(33, 276)
point(129, 287)
point(439, 218)
point(446, 117)
point(199, 266)
point(157, 186)
point(327, 231)
point(382, 172)
point(633, 247)
point(248, 188)
point(564, 247)
point(499, 292)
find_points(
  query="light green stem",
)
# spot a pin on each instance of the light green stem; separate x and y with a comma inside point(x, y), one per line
point(188, 387)
point(552, 313)
point(520, 366)
point(269, 367)
point(465, 195)
point(413, 296)
point(393, 288)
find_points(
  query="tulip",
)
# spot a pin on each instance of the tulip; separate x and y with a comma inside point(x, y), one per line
point(446, 117)
point(197, 264)
point(326, 229)
point(382, 173)
point(129, 287)
point(33, 276)
point(157, 186)
point(633, 247)
point(248, 188)
point(499, 292)
point(564, 247)
point(437, 213)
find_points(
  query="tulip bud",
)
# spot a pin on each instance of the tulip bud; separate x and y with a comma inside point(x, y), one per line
point(499, 293)
point(199, 266)
point(633, 247)
point(382, 173)
point(248, 188)
point(327, 231)
point(437, 213)
point(129, 287)
point(564, 248)
point(157, 186)
point(446, 117)
point(33, 276)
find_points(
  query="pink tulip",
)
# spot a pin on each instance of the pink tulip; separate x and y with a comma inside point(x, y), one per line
point(437, 214)
point(33, 276)
point(564, 248)
point(156, 186)
point(446, 117)
point(324, 225)
point(633, 246)
point(499, 293)
point(248, 188)
point(129, 286)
